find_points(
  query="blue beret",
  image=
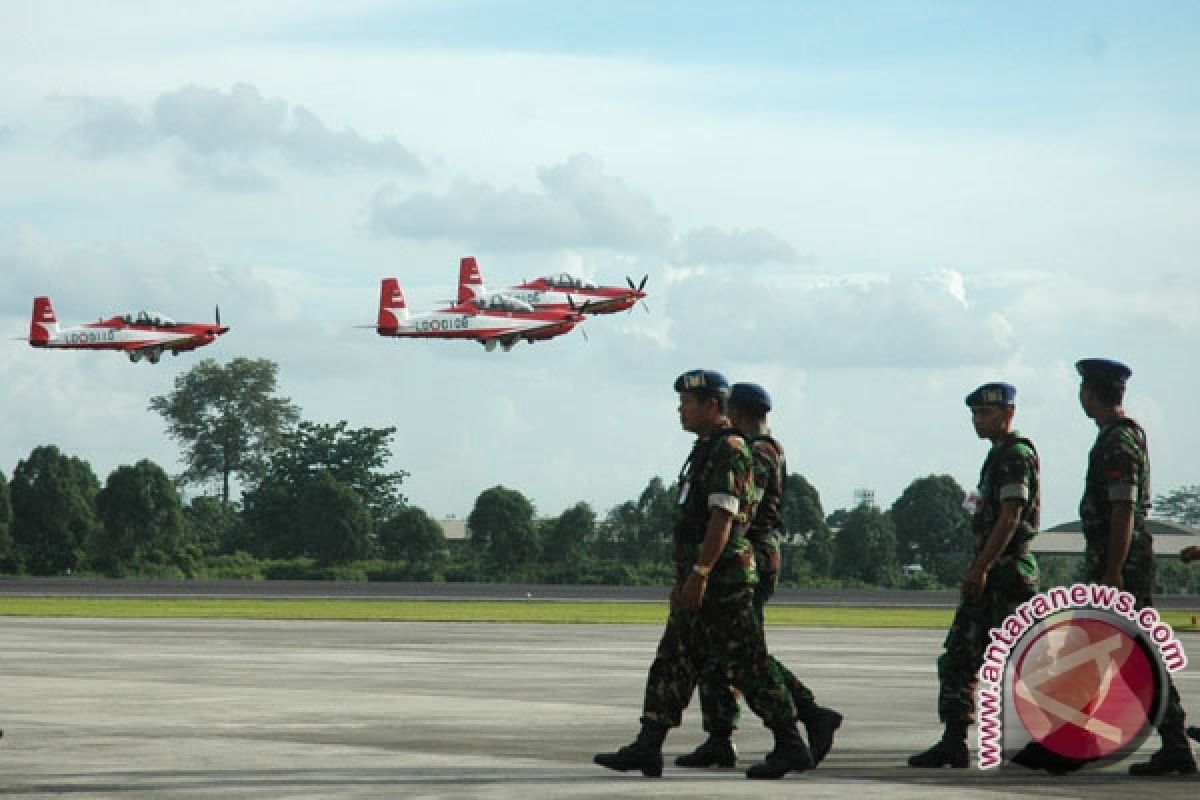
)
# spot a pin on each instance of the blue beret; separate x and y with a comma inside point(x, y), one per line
point(993, 394)
point(1103, 369)
point(702, 380)
point(750, 395)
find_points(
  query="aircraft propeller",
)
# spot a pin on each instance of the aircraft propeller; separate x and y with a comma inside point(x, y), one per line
point(581, 310)
point(638, 289)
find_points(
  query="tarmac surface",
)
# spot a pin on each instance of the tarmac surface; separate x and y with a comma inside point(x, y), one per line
point(149, 708)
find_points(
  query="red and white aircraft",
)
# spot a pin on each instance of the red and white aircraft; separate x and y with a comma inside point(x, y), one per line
point(147, 334)
point(561, 292)
point(489, 319)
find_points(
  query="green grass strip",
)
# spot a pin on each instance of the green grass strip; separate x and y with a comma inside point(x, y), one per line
point(468, 611)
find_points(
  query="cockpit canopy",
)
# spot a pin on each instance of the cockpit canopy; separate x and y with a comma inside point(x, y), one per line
point(565, 280)
point(149, 318)
point(501, 302)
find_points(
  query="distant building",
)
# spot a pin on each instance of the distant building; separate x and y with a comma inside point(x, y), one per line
point(454, 529)
point(1067, 539)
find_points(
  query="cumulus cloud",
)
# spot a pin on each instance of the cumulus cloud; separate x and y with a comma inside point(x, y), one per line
point(712, 245)
point(579, 205)
point(865, 321)
point(218, 135)
point(107, 127)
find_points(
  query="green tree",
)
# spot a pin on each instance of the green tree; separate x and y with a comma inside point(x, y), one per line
point(227, 418)
point(143, 524)
point(802, 512)
point(215, 528)
point(865, 547)
point(1179, 505)
point(8, 554)
point(819, 551)
point(564, 539)
point(412, 535)
point(54, 511)
point(354, 457)
point(642, 530)
point(502, 529)
point(933, 529)
point(336, 524)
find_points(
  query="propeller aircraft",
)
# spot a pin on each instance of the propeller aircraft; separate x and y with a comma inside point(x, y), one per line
point(555, 292)
point(146, 334)
point(489, 319)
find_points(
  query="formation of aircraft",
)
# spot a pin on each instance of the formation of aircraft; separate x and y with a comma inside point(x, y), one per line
point(143, 335)
point(558, 292)
point(532, 311)
point(490, 319)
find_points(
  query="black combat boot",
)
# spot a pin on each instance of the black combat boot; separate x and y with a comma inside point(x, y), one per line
point(791, 754)
point(717, 751)
point(1036, 755)
point(644, 754)
point(1168, 760)
point(820, 727)
point(951, 751)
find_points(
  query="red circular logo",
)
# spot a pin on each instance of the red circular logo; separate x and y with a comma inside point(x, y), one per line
point(1085, 688)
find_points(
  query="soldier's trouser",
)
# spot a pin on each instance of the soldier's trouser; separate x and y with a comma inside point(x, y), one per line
point(1138, 575)
point(1012, 581)
point(718, 702)
point(726, 632)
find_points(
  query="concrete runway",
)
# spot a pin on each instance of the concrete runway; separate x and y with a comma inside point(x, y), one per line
point(259, 709)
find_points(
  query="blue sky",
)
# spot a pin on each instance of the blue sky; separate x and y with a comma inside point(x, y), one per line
point(870, 208)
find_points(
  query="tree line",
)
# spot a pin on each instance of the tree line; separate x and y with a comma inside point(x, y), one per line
point(317, 501)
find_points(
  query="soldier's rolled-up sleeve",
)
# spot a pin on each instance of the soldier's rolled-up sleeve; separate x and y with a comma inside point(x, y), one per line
point(725, 502)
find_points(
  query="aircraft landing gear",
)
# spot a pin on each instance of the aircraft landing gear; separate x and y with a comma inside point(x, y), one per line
point(135, 356)
point(154, 354)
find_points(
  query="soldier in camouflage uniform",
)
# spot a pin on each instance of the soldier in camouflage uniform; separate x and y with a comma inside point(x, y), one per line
point(749, 404)
point(1004, 573)
point(1119, 550)
point(712, 614)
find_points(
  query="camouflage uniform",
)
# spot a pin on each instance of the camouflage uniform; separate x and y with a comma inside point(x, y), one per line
point(725, 629)
point(1119, 470)
point(1010, 471)
point(717, 699)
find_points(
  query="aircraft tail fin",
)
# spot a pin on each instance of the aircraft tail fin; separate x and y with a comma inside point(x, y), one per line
point(470, 280)
point(43, 323)
point(392, 307)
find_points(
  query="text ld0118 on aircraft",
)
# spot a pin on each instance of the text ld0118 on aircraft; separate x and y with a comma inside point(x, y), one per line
point(488, 319)
point(146, 334)
point(561, 292)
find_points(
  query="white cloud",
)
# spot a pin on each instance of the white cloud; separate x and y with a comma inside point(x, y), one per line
point(579, 206)
point(221, 136)
point(712, 245)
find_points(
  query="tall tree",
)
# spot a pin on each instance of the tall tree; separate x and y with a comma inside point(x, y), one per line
point(642, 530)
point(933, 529)
point(502, 528)
point(802, 512)
point(143, 522)
point(213, 527)
point(227, 418)
point(564, 539)
point(1179, 505)
point(54, 511)
point(336, 524)
point(8, 560)
point(353, 456)
point(865, 547)
point(414, 536)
